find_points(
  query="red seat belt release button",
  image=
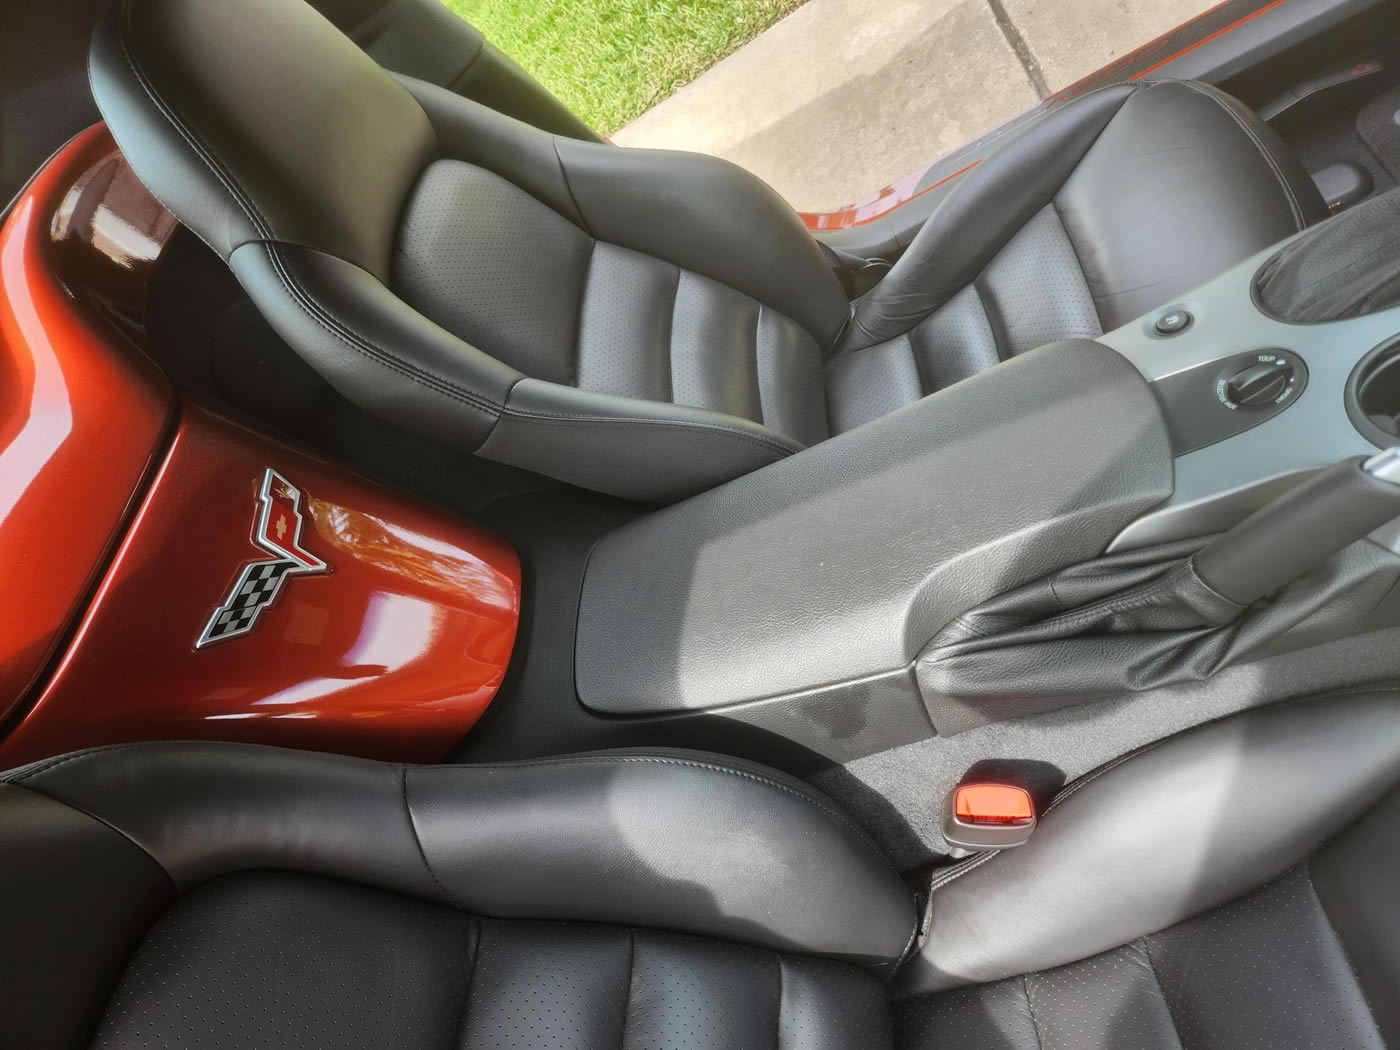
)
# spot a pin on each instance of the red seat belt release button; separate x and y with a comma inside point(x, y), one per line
point(988, 816)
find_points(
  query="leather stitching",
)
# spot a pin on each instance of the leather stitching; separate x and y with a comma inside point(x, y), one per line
point(422, 852)
point(1161, 988)
point(778, 1013)
point(22, 773)
point(260, 223)
point(829, 810)
point(957, 871)
point(1089, 778)
point(631, 977)
point(1243, 125)
point(471, 976)
point(758, 363)
point(1030, 1008)
point(949, 874)
point(1341, 944)
point(359, 344)
point(203, 152)
point(568, 186)
point(572, 417)
point(1078, 259)
point(578, 314)
point(155, 861)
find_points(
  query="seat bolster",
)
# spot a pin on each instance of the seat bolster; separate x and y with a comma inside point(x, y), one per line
point(1355, 880)
point(77, 898)
point(235, 116)
point(517, 152)
point(1162, 836)
point(974, 222)
point(647, 451)
point(185, 182)
point(201, 810)
point(1184, 183)
point(373, 347)
point(705, 214)
point(673, 840)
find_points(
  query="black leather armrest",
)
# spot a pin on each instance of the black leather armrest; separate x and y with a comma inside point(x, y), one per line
point(840, 564)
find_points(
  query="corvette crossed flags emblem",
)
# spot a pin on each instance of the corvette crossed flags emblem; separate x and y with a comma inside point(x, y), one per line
point(276, 529)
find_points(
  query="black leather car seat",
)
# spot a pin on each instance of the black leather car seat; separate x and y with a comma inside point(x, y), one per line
point(641, 322)
point(1231, 887)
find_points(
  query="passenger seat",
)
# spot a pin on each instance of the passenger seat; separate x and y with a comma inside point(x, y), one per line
point(1227, 888)
point(638, 322)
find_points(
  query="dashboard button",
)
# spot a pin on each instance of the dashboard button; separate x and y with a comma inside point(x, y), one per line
point(1172, 322)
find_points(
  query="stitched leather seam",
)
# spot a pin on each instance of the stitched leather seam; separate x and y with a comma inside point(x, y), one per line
point(467, 985)
point(252, 213)
point(631, 977)
point(571, 417)
point(1078, 260)
point(418, 840)
point(1089, 778)
point(1161, 988)
point(670, 341)
point(1146, 593)
point(1341, 944)
point(23, 773)
point(377, 354)
point(758, 379)
point(578, 314)
point(1243, 125)
point(203, 152)
point(778, 1013)
point(957, 871)
point(1030, 1008)
point(830, 811)
point(918, 931)
point(568, 186)
point(1388, 686)
point(155, 862)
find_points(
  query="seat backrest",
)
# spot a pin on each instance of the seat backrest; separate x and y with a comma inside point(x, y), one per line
point(641, 322)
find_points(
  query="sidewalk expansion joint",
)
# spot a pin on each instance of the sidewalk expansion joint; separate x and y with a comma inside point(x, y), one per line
point(1024, 55)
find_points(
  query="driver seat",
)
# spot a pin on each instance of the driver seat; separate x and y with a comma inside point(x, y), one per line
point(645, 323)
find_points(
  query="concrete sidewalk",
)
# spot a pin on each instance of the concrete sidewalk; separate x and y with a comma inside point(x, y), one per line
point(843, 97)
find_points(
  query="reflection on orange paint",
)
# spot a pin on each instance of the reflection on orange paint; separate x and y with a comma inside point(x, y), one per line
point(80, 424)
point(393, 653)
point(121, 531)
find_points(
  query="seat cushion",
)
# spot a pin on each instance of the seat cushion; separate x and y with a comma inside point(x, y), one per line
point(263, 959)
point(1104, 209)
point(281, 898)
point(1230, 887)
point(1268, 970)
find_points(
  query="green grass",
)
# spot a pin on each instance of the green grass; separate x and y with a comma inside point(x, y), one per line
point(612, 60)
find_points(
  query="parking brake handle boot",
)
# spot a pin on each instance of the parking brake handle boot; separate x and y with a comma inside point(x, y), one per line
point(1302, 528)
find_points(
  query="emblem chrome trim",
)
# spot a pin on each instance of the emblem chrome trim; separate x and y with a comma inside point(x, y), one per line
point(259, 583)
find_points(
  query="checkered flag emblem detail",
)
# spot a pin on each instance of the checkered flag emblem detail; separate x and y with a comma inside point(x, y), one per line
point(254, 589)
point(277, 527)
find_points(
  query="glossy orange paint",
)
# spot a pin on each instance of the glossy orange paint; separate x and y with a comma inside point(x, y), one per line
point(81, 423)
point(395, 652)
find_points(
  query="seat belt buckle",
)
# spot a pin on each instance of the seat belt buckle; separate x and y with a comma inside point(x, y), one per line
point(983, 817)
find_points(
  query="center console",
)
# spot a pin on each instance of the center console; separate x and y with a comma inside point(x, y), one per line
point(1031, 538)
point(1336, 391)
